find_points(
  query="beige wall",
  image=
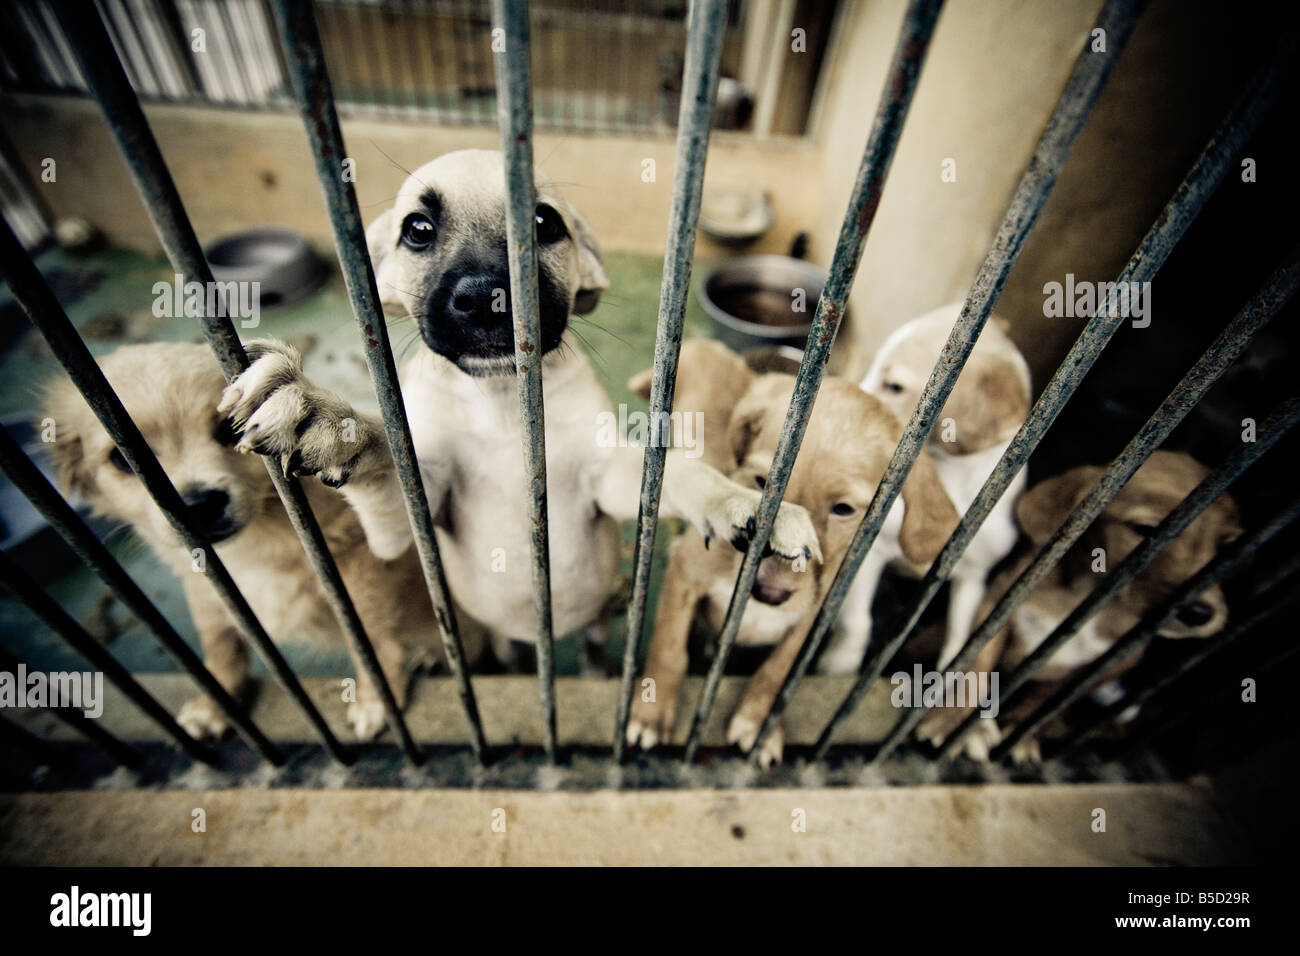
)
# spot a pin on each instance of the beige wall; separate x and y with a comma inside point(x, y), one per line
point(237, 169)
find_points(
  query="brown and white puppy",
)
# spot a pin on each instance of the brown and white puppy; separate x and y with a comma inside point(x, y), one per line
point(171, 391)
point(440, 256)
point(986, 408)
point(1154, 490)
point(848, 442)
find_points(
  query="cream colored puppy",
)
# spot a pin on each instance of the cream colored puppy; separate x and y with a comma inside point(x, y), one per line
point(848, 442)
point(171, 391)
point(440, 256)
point(983, 413)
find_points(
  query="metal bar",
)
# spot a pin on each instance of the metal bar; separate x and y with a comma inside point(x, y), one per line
point(1191, 389)
point(158, 191)
point(1191, 196)
point(515, 119)
point(44, 311)
point(122, 753)
point(27, 478)
point(1279, 601)
point(1223, 564)
point(694, 125)
point(900, 85)
point(311, 85)
point(28, 593)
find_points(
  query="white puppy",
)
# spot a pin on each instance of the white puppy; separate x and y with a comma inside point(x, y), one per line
point(440, 257)
point(985, 409)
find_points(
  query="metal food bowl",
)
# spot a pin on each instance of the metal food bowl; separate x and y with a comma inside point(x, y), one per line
point(751, 301)
point(281, 261)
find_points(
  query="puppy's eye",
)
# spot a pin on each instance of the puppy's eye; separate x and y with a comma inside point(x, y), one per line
point(760, 481)
point(550, 227)
point(225, 433)
point(843, 509)
point(893, 387)
point(418, 231)
point(1146, 530)
point(119, 461)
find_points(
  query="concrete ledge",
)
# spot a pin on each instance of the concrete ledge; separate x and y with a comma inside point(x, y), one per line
point(951, 825)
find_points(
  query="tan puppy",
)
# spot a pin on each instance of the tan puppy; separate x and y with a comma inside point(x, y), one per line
point(440, 257)
point(848, 443)
point(1154, 490)
point(171, 391)
point(986, 408)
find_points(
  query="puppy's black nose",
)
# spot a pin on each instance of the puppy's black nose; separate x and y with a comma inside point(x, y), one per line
point(481, 299)
point(1196, 614)
point(209, 508)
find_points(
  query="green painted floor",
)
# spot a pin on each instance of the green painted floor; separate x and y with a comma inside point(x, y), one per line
point(109, 295)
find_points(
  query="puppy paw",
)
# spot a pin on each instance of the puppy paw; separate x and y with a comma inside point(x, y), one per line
point(839, 660)
point(731, 515)
point(366, 718)
point(278, 411)
point(202, 719)
point(1026, 751)
point(981, 740)
point(743, 732)
point(651, 723)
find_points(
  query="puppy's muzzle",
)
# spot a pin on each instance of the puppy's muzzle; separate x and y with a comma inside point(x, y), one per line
point(210, 508)
point(480, 300)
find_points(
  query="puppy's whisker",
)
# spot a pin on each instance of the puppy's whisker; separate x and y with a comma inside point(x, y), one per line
point(599, 328)
point(399, 165)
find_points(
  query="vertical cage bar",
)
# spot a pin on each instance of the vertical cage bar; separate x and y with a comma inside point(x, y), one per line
point(44, 311)
point(515, 119)
point(1141, 634)
point(28, 593)
point(1186, 203)
point(311, 85)
point(27, 478)
point(1234, 340)
point(705, 35)
point(900, 85)
point(130, 129)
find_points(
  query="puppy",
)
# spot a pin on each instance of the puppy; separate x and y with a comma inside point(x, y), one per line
point(986, 408)
point(171, 391)
point(848, 442)
point(440, 256)
point(1154, 490)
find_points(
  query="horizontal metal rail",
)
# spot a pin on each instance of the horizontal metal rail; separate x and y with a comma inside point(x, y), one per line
point(27, 478)
point(1234, 340)
point(311, 83)
point(29, 594)
point(904, 73)
point(1084, 86)
point(1219, 567)
point(121, 753)
point(1282, 599)
point(36, 299)
point(1219, 155)
point(515, 118)
point(126, 121)
point(707, 21)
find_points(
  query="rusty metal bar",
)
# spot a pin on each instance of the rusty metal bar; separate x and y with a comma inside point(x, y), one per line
point(694, 124)
point(1188, 200)
point(311, 83)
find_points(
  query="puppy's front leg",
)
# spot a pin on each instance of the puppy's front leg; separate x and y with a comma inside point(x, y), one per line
point(224, 654)
point(314, 432)
point(366, 714)
point(717, 506)
point(760, 695)
point(654, 709)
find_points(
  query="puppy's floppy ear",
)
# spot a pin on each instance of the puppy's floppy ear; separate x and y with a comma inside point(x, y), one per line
point(592, 280)
point(1043, 508)
point(381, 242)
point(66, 452)
point(929, 517)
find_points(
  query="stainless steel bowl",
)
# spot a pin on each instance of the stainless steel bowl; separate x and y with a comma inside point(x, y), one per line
point(280, 260)
point(751, 301)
